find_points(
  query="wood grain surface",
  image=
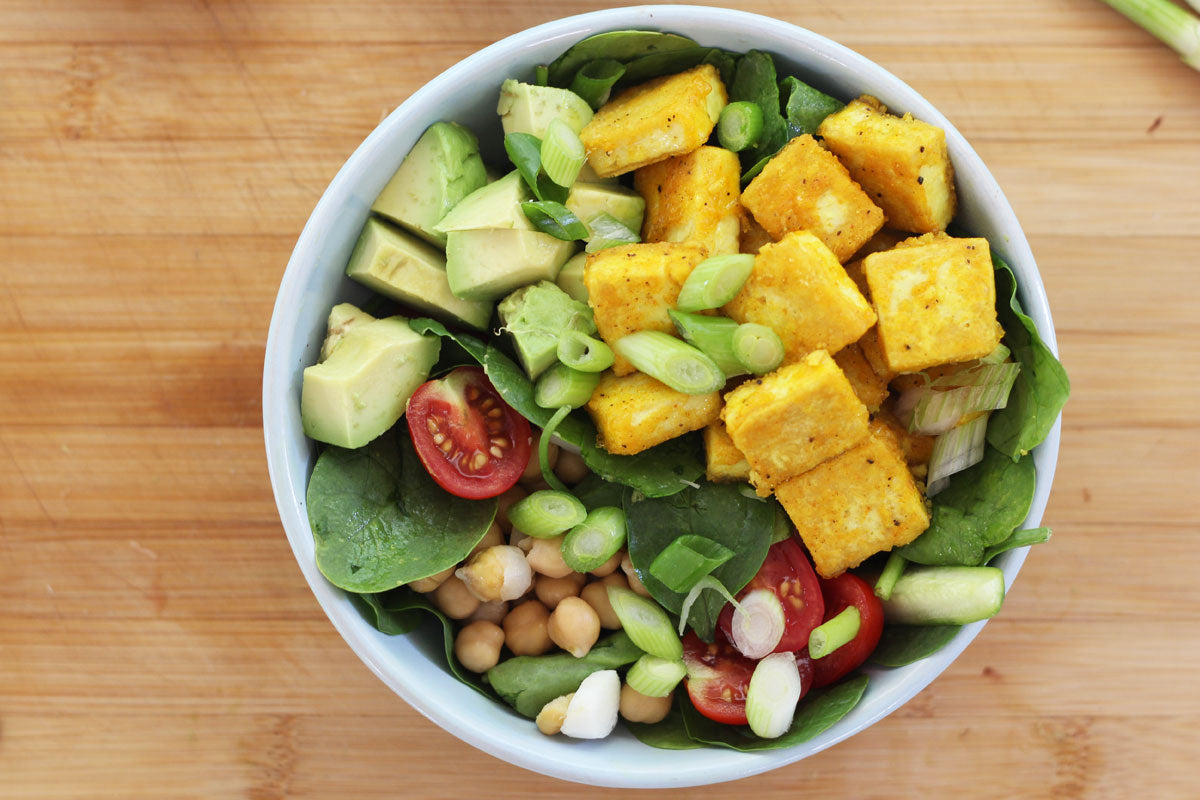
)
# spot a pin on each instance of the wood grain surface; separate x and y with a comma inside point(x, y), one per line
point(157, 162)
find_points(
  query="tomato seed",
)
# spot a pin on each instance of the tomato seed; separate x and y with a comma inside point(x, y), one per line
point(500, 441)
point(472, 393)
point(447, 445)
point(431, 425)
point(478, 462)
point(496, 451)
point(495, 413)
point(438, 438)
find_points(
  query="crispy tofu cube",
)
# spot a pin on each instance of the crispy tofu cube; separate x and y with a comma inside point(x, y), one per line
point(869, 387)
point(724, 462)
point(794, 418)
point(693, 198)
point(936, 302)
point(665, 117)
point(805, 187)
point(917, 448)
point(636, 412)
point(868, 343)
point(884, 239)
point(859, 503)
point(631, 288)
point(901, 162)
point(799, 290)
point(754, 236)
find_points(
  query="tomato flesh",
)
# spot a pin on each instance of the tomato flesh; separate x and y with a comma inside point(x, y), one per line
point(841, 592)
point(718, 677)
point(472, 443)
point(786, 571)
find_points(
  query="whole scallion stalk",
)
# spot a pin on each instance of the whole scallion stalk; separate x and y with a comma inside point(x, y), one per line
point(1167, 21)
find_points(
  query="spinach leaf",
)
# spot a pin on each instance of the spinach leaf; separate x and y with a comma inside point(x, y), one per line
point(380, 521)
point(903, 644)
point(381, 619)
point(622, 46)
point(655, 65)
point(717, 511)
point(805, 108)
point(1042, 386)
point(595, 492)
point(755, 80)
point(980, 508)
point(525, 152)
point(467, 343)
point(668, 734)
point(1018, 539)
point(529, 682)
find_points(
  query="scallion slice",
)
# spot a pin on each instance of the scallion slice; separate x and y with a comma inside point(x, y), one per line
point(740, 125)
point(997, 356)
point(562, 386)
point(594, 540)
point(892, 571)
point(714, 282)
point(555, 219)
point(775, 689)
point(605, 230)
point(645, 623)
point(758, 623)
point(834, 632)
point(672, 361)
point(1167, 21)
point(686, 560)
point(713, 336)
point(937, 409)
point(594, 80)
point(544, 450)
point(546, 513)
point(541, 75)
point(954, 451)
point(707, 582)
point(758, 348)
point(562, 153)
point(584, 353)
point(654, 676)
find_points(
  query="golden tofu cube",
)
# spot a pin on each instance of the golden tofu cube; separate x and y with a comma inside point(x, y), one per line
point(868, 343)
point(636, 412)
point(631, 288)
point(936, 302)
point(805, 187)
point(917, 448)
point(724, 462)
point(869, 387)
point(901, 162)
point(665, 117)
point(792, 419)
point(884, 239)
point(754, 236)
point(693, 198)
point(800, 291)
point(851, 507)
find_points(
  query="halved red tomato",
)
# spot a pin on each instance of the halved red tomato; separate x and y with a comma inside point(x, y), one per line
point(470, 441)
point(788, 573)
point(840, 592)
point(718, 677)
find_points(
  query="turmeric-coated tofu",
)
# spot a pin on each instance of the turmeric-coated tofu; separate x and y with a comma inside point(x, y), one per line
point(868, 343)
point(870, 387)
point(665, 117)
point(792, 419)
point(693, 198)
point(901, 162)
point(632, 287)
point(723, 461)
point(805, 187)
point(636, 412)
point(936, 302)
point(754, 236)
point(859, 503)
point(917, 448)
point(799, 290)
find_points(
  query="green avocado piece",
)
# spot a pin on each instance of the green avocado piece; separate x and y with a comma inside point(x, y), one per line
point(487, 264)
point(588, 200)
point(535, 316)
point(496, 205)
point(341, 318)
point(443, 167)
point(570, 278)
point(362, 388)
point(525, 108)
point(409, 271)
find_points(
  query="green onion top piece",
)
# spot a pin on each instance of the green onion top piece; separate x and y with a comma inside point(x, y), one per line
point(546, 513)
point(555, 219)
point(594, 80)
point(675, 363)
point(544, 449)
point(541, 75)
point(688, 559)
point(834, 632)
point(594, 540)
point(1170, 23)
point(740, 125)
point(646, 623)
point(562, 153)
point(713, 336)
point(707, 582)
point(562, 386)
point(892, 571)
point(585, 353)
point(714, 282)
point(605, 230)
point(757, 347)
point(654, 676)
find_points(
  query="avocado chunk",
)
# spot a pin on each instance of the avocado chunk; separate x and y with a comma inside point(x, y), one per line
point(411, 272)
point(443, 167)
point(486, 264)
point(535, 316)
point(525, 108)
point(570, 278)
point(496, 205)
point(361, 389)
point(341, 318)
point(589, 200)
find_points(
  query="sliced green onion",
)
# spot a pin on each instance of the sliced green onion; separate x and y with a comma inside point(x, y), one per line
point(937, 410)
point(562, 386)
point(594, 540)
point(548, 475)
point(541, 75)
point(834, 632)
point(525, 152)
point(686, 560)
point(707, 582)
point(892, 571)
point(758, 348)
point(562, 153)
point(584, 353)
point(605, 230)
point(594, 80)
point(775, 689)
point(672, 361)
point(758, 623)
point(713, 336)
point(1167, 21)
point(997, 356)
point(714, 282)
point(954, 451)
point(782, 529)
point(546, 513)
point(740, 125)
point(554, 219)
point(646, 623)
point(654, 676)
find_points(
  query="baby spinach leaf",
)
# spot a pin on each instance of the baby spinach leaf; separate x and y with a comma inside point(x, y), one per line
point(716, 511)
point(903, 644)
point(655, 65)
point(529, 682)
point(622, 46)
point(668, 734)
point(380, 618)
point(805, 108)
point(594, 492)
point(465, 342)
point(379, 520)
point(1018, 539)
point(525, 152)
point(755, 80)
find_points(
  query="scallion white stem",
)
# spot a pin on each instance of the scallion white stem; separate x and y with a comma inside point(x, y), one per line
point(594, 540)
point(562, 153)
point(672, 361)
point(562, 386)
point(654, 676)
point(775, 689)
point(707, 582)
point(1167, 21)
point(546, 513)
point(955, 450)
point(834, 632)
point(758, 623)
point(645, 623)
point(758, 348)
point(714, 281)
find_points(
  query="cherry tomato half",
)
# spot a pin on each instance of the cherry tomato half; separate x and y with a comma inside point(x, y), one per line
point(840, 592)
point(470, 441)
point(788, 573)
point(718, 677)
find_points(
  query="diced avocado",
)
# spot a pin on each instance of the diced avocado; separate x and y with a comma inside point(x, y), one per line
point(486, 264)
point(525, 108)
point(535, 316)
point(588, 200)
point(496, 205)
point(443, 167)
point(341, 318)
point(570, 278)
point(407, 270)
point(361, 389)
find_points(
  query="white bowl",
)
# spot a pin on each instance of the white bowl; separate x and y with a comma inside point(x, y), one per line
point(314, 281)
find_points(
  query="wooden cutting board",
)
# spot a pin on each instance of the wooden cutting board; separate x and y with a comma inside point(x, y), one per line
point(157, 162)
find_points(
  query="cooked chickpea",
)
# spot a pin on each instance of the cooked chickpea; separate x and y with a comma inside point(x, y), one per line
point(426, 585)
point(519, 539)
point(477, 646)
point(494, 611)
point(504, 502)
point(545, 557)
point(635, 582)
point(570, 467)
point(493, 537)
point(454, 599)
point(525, 629)
point(610, 566)
point(551, 590)
point(574, 626)
point(595, 594)
point(550, 718)
point(497, 573)
point(533, 467)
point(637, 707)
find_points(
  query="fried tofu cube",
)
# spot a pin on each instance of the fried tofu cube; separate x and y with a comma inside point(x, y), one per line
point(884, 239)
point(754, 236)
point(799, 290)
point(869, 386)
point(636, 412)
point(917, 448)
point(859, 503)
point(665, 117)
point(936, 302)
point(868, 343)
point(792, 419)
point(901, 162)
point(724, 462)
point(693, 198)
point(631, 288)
point(805, 187)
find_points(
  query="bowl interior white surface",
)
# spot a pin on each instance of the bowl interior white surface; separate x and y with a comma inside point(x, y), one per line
point(314, 281)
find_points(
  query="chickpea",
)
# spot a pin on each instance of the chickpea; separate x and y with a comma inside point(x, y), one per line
point(533, 467)
point(545, 558)
point(595, 594)
point(570, 467)
point(637, 707)
point(519, 539)
point(497, 573)
point(550, 718)
point(525, 629)
point(494, 611)
point(454, 599)
point(551, 590)
point(635, 582)
point(493, 537)
point(426, 585)
point(504, 502)
point(574, 626)
point(610, 566)
point(477, 646)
